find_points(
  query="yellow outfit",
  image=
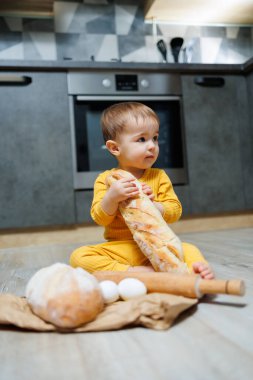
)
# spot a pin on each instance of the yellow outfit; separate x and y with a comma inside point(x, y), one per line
point(120, 250)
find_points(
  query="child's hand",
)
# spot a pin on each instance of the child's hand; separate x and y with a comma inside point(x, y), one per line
point(122, 189)
point(204, 270)
point(148, 191)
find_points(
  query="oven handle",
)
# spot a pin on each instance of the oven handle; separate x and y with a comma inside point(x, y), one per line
point(125, 97)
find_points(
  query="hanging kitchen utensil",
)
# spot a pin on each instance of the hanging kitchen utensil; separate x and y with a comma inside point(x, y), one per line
point(176, 44)
point(162, 48)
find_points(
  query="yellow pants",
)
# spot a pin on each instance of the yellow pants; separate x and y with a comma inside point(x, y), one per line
point(119, 255)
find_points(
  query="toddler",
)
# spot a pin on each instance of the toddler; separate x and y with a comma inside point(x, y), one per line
point(131, 131)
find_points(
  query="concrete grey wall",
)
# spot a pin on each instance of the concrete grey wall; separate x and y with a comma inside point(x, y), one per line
point(115, 31)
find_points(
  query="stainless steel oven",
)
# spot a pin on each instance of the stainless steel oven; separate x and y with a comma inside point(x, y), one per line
point(91, 92)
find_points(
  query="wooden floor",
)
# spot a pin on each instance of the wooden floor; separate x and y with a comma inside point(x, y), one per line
point(213, 341)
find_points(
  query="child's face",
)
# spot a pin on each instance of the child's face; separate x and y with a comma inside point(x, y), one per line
point(138, 146)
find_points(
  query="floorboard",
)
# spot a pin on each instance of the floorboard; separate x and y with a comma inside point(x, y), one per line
point(214, 341)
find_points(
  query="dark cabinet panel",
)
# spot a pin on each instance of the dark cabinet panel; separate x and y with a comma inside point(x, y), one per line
point(35, 152)
point(83, 201)
point(214, 123)
point(183, 193)
point(247, 146)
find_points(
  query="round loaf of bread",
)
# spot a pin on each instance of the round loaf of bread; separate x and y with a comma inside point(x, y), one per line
point(65, 296)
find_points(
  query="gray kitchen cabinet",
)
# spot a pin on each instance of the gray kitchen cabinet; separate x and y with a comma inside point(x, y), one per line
point(215, 121)
point(183, 194)
point(35, 151)
point(247, 143)
point(83, 201)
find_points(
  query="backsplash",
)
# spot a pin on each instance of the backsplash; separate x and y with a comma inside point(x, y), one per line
point(116, 31)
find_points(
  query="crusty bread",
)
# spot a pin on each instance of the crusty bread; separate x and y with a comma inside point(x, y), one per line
point(150, 231)
point(64, 296)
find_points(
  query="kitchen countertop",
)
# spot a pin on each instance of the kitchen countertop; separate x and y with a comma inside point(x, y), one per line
point(248, 66)
point(182, 68)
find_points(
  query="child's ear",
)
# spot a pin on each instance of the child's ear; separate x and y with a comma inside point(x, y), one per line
point(112, 146)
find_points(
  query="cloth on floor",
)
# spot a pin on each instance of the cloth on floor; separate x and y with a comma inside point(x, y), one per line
point(154, 310)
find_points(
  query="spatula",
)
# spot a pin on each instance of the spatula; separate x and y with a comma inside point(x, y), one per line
point(162, 48)
point(176, 44)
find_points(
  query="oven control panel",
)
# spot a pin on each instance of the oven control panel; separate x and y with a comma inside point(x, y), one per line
point(126, 82)
point(123, 83)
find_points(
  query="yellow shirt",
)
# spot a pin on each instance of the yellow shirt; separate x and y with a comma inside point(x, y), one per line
point(121, 251)
point(115, 226)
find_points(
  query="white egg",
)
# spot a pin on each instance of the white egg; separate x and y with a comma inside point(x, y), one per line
point(109, 291)
point(131, 288)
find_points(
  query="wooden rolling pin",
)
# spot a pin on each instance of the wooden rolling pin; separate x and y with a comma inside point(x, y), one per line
point(192, 286)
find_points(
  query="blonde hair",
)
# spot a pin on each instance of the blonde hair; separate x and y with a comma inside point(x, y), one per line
point(116, 117)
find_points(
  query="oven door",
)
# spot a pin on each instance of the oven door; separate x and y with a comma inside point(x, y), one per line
point(90, 156)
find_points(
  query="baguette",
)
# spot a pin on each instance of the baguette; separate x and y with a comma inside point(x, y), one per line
point(150, 231)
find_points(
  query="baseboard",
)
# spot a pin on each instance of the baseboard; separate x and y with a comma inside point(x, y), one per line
point(89, 233)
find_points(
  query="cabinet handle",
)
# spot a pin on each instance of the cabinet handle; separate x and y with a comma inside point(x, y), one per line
point(209, 81)
point(15, 80)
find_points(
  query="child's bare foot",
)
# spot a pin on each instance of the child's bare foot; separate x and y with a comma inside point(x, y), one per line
point(204, 270)
point(141, 268)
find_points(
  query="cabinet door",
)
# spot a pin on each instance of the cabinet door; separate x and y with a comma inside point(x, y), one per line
point(35, 152)
point(213, 120)
point(247, 143)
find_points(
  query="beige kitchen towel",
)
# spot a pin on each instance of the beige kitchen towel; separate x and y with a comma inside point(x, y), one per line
point(154, 310)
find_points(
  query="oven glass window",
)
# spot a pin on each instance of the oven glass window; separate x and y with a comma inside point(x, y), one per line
point(98, 156)
point(91, 154)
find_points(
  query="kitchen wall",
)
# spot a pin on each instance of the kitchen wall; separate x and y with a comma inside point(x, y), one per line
point(116, 31)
